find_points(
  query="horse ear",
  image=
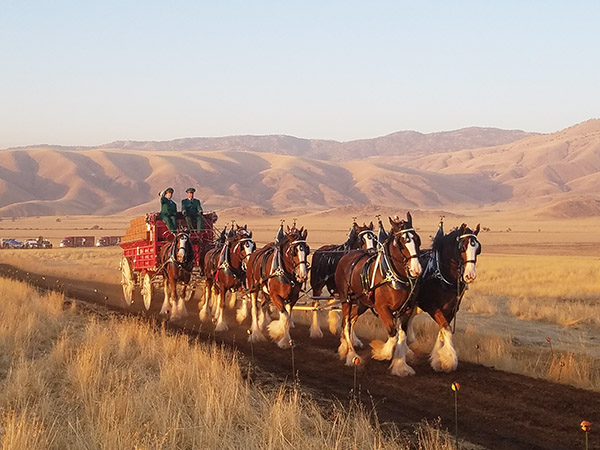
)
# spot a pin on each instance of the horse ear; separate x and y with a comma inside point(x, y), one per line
point(304, 234)
point(476, 230)
point(409, 218)
point(393, 224)
point(371, 226)
point(250, 234)
point(288, 228)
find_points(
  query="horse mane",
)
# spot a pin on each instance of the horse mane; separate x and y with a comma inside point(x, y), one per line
point(440, 238)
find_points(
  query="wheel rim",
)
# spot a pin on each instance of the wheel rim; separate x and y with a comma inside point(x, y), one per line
point(127, 281)
point(147, 291)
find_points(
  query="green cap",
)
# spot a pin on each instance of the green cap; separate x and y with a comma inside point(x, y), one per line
point(192, 190)
point(169, 189)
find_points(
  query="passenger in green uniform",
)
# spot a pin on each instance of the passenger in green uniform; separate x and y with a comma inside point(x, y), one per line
point(192, 211)
point(168, 209)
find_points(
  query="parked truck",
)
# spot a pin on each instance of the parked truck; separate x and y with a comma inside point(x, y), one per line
point(106, 241)
point(77, 241)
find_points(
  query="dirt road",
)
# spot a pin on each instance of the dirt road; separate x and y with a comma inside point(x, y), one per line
point(496, 410)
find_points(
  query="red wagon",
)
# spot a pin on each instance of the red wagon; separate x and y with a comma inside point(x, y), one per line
point(141, 246)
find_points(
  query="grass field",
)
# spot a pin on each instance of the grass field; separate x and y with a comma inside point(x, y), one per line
point(74, 380)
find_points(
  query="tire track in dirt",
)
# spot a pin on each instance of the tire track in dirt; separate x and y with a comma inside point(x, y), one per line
point(497, 410)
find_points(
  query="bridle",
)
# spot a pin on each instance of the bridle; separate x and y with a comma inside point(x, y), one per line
point(293, 248)
point(362, 235)
point(402, 234)
point(473, 242)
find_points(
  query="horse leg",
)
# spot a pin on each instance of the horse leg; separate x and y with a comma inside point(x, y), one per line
point(221, 324)
point(279, 330)
point(288, 308)
point(315, 329)
point(333, 318)
point(395, 347)
point(214, 301)
point(242, 311)
point(346, 349)
point(356, 342)
point(443, 356)
point(205, 311)
point(264, 311)
point(173, 300)
point(233, 299)
point(256, 333)
point(411, 337)
point(164, 310)
point(181, 311)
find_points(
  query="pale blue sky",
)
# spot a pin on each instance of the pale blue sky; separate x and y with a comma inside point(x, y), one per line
point(91, 72)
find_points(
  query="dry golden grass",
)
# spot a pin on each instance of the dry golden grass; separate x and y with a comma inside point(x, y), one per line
point(503, 352)
point(98, 264)
point(534, 276)
point(563, 290)
point(68, 381)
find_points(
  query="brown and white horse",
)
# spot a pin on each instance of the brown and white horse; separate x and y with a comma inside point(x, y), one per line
point(176, 260)
point(323, 265)
point(449, 267)
point(225, 271)
point(385, 282)
point(278, 270)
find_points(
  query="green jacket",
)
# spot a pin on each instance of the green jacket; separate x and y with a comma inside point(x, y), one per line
point(167, 207)
point(191, 207)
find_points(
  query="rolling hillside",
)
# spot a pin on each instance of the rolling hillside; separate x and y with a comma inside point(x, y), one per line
point(279, 173)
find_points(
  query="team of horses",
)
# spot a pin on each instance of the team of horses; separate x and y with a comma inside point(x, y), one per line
point(386, 272)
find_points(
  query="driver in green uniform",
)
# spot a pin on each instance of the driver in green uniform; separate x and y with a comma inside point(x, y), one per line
point(168, 209)
point(192, 211)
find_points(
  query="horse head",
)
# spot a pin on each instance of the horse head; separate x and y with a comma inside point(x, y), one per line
point(366, 235)
point(182, 247)
point(296, 250)
point(244, 245)
point(404, 237)
point(469, 247)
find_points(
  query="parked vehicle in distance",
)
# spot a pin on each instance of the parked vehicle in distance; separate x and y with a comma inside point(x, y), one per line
point(77, 241)
point(105, 241)
point(31, 243)
point(46, 243)
point(11, 243)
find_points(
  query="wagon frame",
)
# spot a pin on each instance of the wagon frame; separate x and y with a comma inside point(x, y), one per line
point(141, 248)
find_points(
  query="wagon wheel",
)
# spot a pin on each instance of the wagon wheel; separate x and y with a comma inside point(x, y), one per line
point(127, 281)
point(146, 290)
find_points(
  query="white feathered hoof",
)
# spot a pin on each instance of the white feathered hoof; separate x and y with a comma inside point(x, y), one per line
point(221, 326)
point(277, 329)
point(443, 356)
point(383, 351)
point(205, 313)
point(343, 349)
point(315, 329)
point(399, 368)
point(333, 322)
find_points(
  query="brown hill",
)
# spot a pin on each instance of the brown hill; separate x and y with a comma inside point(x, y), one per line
point(537, 171)
point(399, 143)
